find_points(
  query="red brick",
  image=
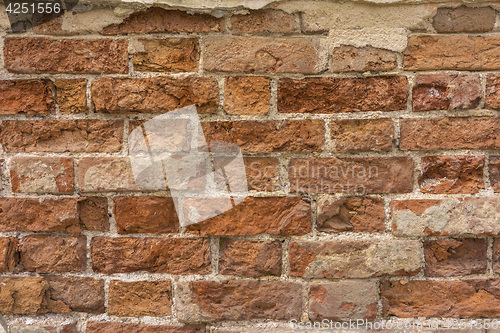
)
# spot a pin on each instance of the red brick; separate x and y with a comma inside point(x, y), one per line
point(248, 95)
point(493, 91)
point(104, 174)
point(271, 215)
point(154, 95)
point(450, 133)
point(264, 21)
point(446, 217)
point(464, 19)
point(140, 298)
point(53, 254)
point(460, 299)
point(495, 173)
point(93, 213)
point(351, 175)
point(59, 136)
point(27, 97)
point(496, 255)
point(42, 175)
point(46, 55)
point(358, 214)
point(9, 254)
point(455, 257)
point(166, 55)
point(237, 300)
point(362, 134)
point(348, 58)
point(156, 255)
point(145, 214)
point(355, 259)
point(446, 92)
point(71, 95)
point(452, 52)
point(265, 55)
point(262, 173)
point(113, 327)
point(54, 326)
point(38, 295)
point(69, 215)
point(452, 174)
point(157, 19)
point(250, 258)
point(268, 136)
point(334, 95)
point(344, 300)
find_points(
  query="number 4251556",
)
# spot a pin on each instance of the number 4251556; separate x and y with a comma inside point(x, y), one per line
point(32, 8)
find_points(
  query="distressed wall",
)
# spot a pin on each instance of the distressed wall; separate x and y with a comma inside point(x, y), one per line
point(371, 136)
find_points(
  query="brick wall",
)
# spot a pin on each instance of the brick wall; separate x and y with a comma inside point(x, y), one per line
point(373, 167)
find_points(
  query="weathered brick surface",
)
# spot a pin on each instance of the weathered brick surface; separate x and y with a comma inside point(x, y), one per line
point(455, 257)
point(334, 95)
point(464, 19)
point(343, 300)
point(452, 174)
point(102, 174)
point(268, 136)
point(273, 215)
point(450, 133)
point(42, 175)
point(493, 91)
point(113, 327)
point(461, 299)
point(250, 258)
point(44, 55)
point(248, 95)
point(174, 255)
point(145, 214)
point(37, 295)
point(264, 21)
point(265, 55)
point(154, 95)
point(351, 175)
point(262, 173)
point(362, 134)
point(93, 213)
point(495, 173)
point(496, 256)
point(140, 298)
point(470, 216)
point(71, 95)
point(355, 259)
point(166, 55)
point(161, 20)
point(9, 254)
point(237, 300)
point(58, 136)
point(55, 327)
point(452, 52)
point(27, 97)
point(359, 214)
point(53, 254)
point(446, 92)
point(348, 58)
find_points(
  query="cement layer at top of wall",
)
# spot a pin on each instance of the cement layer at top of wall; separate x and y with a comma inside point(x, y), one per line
point(256, 4)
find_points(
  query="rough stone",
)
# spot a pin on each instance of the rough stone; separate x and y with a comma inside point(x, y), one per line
point(249, 258)
point(140, 298)
point(271, 215)
point(154, 95)
point(355, 259)
point(156, 255)
point(44, 55)
point(42, 175)
point(447, 217)
point(335, 95)
point(166, 55)
point(452, 174)
point(358, 214)
point(27, 97)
